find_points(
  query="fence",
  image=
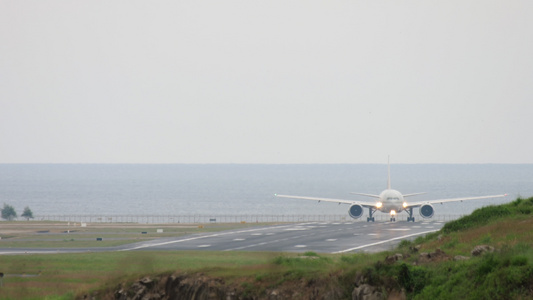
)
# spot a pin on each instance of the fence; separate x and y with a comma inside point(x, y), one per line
point(202, 219)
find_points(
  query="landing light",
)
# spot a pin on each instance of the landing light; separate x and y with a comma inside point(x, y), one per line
point(392, 212)
point(379, 205)
point(404, 204)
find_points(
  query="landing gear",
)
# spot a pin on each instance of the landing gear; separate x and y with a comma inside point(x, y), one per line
point(410, 212)
point(393, 219)
point(370, 213)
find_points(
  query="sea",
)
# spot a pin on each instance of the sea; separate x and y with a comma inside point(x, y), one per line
point(233, 189)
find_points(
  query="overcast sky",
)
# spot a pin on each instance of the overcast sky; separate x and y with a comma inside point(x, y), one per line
point(266, 81)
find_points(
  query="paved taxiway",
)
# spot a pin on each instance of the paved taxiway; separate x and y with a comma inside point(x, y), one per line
point(300, 237)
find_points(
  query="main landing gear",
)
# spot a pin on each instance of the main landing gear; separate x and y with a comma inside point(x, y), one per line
point(370, 213)
point(410, 212)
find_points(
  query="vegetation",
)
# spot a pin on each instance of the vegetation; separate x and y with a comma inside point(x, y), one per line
point(506, 273)
point(8, 212)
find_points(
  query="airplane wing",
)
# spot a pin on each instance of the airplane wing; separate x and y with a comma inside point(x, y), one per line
point(420, 203)
point(364, 204)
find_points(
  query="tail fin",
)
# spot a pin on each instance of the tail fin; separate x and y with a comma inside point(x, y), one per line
point(388, 169)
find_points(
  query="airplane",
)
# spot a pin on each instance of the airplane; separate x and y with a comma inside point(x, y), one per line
point(390, 201)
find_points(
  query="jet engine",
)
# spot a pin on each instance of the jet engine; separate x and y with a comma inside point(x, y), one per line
point(426, 211)
point(355, 211)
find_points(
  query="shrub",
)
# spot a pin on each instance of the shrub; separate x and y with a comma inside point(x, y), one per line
point(412, 279)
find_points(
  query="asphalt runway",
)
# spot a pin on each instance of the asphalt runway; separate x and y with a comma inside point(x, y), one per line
point(314, 236)
point(318, 237)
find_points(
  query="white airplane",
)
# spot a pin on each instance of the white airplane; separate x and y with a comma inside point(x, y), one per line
point(391, 202)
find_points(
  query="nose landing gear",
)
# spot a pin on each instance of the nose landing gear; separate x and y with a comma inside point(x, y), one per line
point(393, 216)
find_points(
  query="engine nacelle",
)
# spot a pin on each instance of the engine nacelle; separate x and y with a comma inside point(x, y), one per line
point(356, 211)
point(426, 211)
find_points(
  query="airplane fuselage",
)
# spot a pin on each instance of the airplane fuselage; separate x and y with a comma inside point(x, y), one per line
point(391, 200)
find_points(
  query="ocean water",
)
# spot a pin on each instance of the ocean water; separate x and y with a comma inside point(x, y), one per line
point(230, 189)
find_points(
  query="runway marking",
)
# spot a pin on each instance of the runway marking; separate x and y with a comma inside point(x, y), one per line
point(239, 239)
point(198, 237)
point(383, 242)
point(399, 229)
point(203, 246)
point(256, 234)
point(270, 233)
point(296, 229)
point(372, 234)
point(331, 240)
point(272, 242)
point(417, 226)
point(428, 227)
point(300, 246)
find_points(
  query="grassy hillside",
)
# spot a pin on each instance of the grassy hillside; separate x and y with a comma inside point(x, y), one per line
point(506, 273)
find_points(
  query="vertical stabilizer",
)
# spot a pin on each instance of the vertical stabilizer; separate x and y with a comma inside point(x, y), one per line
point(388, 171)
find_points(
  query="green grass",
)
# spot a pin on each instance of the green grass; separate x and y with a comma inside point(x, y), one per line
point(71, 273)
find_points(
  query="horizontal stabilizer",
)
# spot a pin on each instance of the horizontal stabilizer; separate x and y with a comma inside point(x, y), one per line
point(367, 195)
point(414, 194)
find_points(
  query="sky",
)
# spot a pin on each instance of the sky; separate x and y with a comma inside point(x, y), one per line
point(266, 81)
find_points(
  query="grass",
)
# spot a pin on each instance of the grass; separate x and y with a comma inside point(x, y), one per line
point(71, 273)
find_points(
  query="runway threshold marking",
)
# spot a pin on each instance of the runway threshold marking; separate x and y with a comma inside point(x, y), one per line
point(383, 242)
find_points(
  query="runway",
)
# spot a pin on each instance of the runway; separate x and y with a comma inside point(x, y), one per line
point(314, 236)
point(320, 237)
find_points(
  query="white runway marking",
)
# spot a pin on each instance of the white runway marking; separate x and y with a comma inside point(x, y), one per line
point(296, 228)
point(300, 246)
point(399, 229)
point(273, 242)
point(428, 227)
point(198, 237)
point(331, 240)
point(382, 242)
point(203, 246)
point(372, 234)
point(256, 234)
point(239, 239)
point(417, 226)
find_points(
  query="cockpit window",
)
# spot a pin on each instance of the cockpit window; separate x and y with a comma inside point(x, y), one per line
point(393, 199)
